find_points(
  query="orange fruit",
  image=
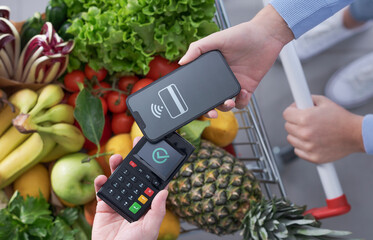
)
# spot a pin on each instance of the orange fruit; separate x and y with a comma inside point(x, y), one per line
point(34, 180)
point(222, 130)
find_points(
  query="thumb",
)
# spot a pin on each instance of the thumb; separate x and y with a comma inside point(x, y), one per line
point(201, 46)
point(154, 217)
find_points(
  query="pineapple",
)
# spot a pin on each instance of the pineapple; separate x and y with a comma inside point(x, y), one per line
point(213, 190)
point(217, 193)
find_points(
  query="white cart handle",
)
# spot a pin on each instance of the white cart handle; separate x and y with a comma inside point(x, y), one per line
point(336, 201)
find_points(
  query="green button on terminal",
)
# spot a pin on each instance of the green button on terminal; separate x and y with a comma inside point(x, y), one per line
point(135, 208)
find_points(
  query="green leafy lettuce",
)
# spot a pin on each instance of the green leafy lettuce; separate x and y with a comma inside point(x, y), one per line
point(123, 35)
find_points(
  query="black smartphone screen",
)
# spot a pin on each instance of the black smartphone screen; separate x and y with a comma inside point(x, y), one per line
point(183, 95)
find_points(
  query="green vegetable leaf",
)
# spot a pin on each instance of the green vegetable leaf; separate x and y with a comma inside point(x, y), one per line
point(123, 36)
point(69, 215)
point(89, 114)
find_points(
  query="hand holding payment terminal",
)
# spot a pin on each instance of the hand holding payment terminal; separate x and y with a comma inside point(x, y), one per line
point(159, 109)
point(146, 170)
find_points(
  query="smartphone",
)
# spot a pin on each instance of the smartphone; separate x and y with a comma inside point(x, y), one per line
point(183, 95)
point(145, 171)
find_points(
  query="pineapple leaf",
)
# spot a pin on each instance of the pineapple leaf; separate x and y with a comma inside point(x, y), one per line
point(297, 221)
point(263, 233)
point(312, 231)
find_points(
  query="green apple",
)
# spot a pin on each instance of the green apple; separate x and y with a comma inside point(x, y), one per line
point(72, 180)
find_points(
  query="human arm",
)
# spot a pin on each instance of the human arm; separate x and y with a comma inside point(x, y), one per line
point(325, 132)
point(250, 49)
point(303, 15)
point(109, 225)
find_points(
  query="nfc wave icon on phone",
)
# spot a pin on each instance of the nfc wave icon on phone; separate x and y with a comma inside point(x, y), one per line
point(172, 100)
point(156, 110)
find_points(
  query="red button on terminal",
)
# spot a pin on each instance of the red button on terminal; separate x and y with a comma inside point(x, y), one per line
point(133, 164)
point(149, 192)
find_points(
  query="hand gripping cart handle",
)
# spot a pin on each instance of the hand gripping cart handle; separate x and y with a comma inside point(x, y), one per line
point(336, 201)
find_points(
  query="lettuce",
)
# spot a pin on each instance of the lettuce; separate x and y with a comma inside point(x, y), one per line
point(124, 35)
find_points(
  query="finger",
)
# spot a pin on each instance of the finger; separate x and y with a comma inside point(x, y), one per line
point(201, 46)
point(99, 181)
point(212, 114)
point(136, 140)
point(291, 114)
point(303, 155)
point(293, 129)
point(242, 99)
point(154, 217)
point(297, 143)
point(114, 161)
point(228, 105)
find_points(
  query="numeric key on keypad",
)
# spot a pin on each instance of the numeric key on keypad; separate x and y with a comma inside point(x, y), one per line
point(136, 191)
point(118, 198)
point(130, 197)
point(110, 191)
point(125, 172)
point(120, 178)
point(129, 185)
point(115, 184)
point(123, 191)
point(133, 179)
point(141, 185)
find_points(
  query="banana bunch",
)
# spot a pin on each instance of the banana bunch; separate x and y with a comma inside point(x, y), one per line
point(40, 129)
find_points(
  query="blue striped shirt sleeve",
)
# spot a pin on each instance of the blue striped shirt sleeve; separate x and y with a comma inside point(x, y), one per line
point(367, 132)
point(303, 15)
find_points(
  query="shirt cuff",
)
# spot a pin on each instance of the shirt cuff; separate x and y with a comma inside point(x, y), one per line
point(303, 15)
point(367, 132)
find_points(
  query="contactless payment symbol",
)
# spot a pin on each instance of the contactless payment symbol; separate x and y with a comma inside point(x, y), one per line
point(160, 155)
point(172, 101)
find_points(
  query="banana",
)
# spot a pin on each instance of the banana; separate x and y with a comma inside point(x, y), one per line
point(66, 135)
point(57, 152)
point(58, 113)
point(49, 96)
point(10, 140)
point(6, 116)
point(71, 141)
point(23, 100)
point(24, 157)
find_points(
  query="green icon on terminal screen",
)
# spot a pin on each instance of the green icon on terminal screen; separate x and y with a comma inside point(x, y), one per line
point(160, 155)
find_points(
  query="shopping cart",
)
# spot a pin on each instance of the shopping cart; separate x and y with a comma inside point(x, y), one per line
point(252, 145)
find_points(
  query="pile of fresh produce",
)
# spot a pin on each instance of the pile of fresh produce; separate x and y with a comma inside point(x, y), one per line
point(55, 141)
point(42, 131)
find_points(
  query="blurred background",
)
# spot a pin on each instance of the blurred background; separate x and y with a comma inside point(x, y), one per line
point(300, 178)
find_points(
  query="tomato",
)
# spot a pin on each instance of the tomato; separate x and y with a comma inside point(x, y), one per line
point(121, 123)
point(71, 79)
point(102, 93)
point(100, 74)
point(72, 98)
point(104, 105)
point(126, 83)
point(106, 135)
point(141, 83)
point(159, 67)
point(116, 102)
